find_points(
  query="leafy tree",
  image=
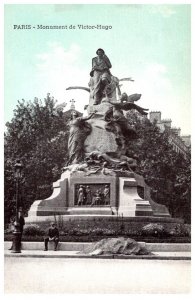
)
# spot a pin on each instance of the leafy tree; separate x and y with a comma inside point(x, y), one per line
point(165, 171)
point(37, 135)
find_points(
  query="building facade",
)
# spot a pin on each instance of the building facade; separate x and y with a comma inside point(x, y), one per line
point(181, 144)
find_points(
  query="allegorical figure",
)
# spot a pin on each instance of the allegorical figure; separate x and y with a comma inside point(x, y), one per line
point(106, 194)
point(101, 74)
point(88, 195)
point(119, 124)
point(81, 195)
point(96, 198)
point(79, 130)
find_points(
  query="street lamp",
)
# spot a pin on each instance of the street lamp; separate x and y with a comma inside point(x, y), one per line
point(16, 246)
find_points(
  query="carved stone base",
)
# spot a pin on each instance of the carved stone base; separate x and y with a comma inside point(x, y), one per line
point(123, 197)
point(100, 139)
point(130, 204)
point(99, 108)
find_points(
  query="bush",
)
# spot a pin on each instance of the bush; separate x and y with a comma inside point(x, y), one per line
point(181, 230)
point(187, 229)
point(33, 230)
point(110, 232)
point(153, 229)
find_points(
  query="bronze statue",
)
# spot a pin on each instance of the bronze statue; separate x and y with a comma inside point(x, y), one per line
point(79, 130)
point(101, 74)
point(122, 162)
point(115, 117)
point(131, 99)
point(110, 92)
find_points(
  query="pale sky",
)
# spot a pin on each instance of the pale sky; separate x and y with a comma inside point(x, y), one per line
point(150, 43)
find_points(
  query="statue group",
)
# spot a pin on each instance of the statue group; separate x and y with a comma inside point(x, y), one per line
point(102, 86)
point(100, 176)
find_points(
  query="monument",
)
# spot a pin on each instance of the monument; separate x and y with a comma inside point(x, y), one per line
point(100, 177)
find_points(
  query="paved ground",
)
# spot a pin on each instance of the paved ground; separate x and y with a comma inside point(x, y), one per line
point(64, 254)
point(65, 275)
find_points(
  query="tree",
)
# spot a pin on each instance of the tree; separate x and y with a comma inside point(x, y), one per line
point(165, 171)
point(37, 135)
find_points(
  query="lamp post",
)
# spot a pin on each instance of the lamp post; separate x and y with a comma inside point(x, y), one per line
point(16, 246)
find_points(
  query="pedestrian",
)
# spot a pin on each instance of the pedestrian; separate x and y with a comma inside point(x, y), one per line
point(52, 236)
point(21, 224)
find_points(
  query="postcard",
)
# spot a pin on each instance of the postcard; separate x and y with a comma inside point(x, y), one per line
point(97, 170)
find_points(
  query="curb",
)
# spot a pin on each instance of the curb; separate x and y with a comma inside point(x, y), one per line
point(109, 256)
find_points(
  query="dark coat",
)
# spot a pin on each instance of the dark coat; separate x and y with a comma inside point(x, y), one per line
point(53, 232)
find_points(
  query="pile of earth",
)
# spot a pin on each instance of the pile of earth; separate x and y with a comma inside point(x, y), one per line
point(121, 246)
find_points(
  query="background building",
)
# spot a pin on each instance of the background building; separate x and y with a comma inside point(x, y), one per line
point(181, 144)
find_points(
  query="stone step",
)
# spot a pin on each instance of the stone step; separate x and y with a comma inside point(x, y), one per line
point(165, 247)
point(63, 246)
point(99, 210)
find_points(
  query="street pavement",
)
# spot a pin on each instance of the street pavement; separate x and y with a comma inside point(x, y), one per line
point(114, 276)
point(180, 255)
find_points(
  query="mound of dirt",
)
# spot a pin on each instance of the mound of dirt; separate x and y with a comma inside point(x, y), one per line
point(121, 245)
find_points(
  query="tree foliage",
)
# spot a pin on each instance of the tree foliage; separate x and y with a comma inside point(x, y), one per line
point(37, 135)
point(167, 172)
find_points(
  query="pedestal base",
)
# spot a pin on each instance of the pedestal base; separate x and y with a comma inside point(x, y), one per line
point(123, 197)
point(130, 204)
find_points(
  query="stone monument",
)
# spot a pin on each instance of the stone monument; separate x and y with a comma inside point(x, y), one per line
point(100, 179)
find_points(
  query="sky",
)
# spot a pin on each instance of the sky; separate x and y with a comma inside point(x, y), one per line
point(150, 43)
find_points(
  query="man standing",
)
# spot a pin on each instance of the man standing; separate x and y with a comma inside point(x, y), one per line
point(21, 223)
point(52, 236)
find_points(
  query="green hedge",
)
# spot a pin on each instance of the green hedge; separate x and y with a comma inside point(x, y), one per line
point(96, 229)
